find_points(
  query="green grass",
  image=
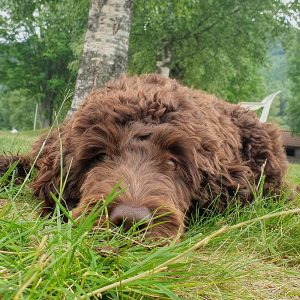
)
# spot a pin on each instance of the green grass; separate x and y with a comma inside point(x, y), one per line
point(20, 141)
point(294, 173)
point(47, 259)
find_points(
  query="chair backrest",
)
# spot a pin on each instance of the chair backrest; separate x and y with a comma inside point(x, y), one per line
point(265, 104)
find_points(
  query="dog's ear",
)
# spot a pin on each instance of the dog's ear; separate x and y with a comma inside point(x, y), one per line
point(262, 148)
point(21, 167)
point(55, 169)
point(221, 177)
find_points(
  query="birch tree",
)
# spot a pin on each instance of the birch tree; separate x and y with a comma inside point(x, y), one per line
point(105, 48)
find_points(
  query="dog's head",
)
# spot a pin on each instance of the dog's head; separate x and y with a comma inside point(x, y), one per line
point(149, 133)
point(143, 135)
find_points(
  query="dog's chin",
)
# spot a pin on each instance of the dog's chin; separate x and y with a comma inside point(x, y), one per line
point(164, 234)
point(157, 235)
point(168, 227)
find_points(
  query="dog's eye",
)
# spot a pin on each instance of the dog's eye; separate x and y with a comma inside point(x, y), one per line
point(172, 164)
point(143, 137)
point(102, 157)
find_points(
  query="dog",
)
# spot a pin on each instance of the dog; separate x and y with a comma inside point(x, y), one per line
point(174, 148)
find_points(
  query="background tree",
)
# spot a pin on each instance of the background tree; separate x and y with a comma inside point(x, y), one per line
point(276, 78)
point(16, 110)
point(105, 47)
point(293, 109)
point(218, 46)
point(38, 56)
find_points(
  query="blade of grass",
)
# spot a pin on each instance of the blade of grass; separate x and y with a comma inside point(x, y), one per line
point(41, 149)
point(163, 266)
point(10, 170)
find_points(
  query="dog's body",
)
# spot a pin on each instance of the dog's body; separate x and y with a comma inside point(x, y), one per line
point(171, 146)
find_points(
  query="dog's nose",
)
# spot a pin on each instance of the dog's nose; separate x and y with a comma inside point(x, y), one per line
point(129, 216)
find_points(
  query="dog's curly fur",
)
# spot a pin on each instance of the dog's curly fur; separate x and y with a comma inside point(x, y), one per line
point(172, 146)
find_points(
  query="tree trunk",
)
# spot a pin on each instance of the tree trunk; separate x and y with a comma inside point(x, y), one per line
point(163, 59)
point(105, 48)
point(46, 111)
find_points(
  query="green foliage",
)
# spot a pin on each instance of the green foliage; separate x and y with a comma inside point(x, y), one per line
point(218, 46)
point(276, 78)
point(36, 44)
point(17, 110)
point(293, 109)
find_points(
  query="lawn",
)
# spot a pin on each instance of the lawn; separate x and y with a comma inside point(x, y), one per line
point(48, 259)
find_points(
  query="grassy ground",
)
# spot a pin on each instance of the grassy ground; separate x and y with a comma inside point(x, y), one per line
point(47, 259)
point(20, 141)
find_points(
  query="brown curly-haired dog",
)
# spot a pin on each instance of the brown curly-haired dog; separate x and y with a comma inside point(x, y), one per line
point(171, 145)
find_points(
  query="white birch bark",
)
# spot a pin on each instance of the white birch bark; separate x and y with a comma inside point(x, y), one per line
point(106, 47)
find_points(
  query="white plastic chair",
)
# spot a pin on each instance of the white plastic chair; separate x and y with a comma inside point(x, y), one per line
point(265, 105)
